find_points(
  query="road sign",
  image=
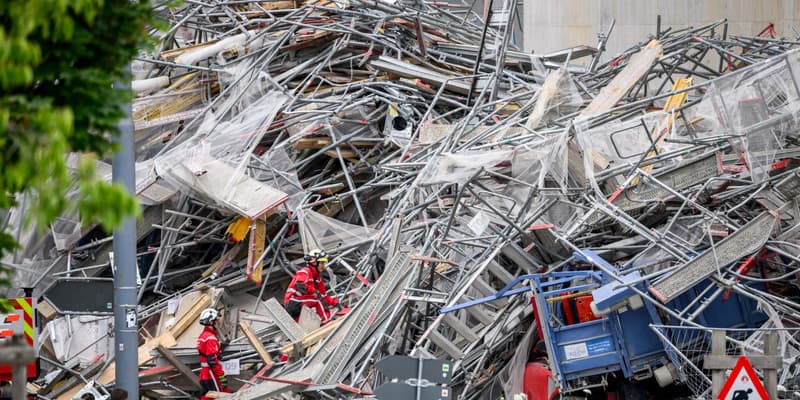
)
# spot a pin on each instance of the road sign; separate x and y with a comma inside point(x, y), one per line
point(82, 296)
point(404, 367)
point(743, 383)
point(401, 391)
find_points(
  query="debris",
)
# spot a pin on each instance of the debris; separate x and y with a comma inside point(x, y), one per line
point(640, 202)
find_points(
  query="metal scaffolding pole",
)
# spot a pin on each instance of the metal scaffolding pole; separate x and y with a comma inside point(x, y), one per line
point(124, 262)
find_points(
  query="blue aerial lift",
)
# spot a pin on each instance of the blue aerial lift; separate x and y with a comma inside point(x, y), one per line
point(616, 336)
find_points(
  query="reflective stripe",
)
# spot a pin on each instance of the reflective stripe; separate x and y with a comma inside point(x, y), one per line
point(202, 364)
point(26, 305)
point(23, 303)
point(306, 301)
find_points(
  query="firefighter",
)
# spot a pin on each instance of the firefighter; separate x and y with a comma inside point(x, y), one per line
point(308, 290)
point(212, 377)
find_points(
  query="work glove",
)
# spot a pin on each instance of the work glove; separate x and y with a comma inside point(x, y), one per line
point(223, 381)
point(301, 288)
point(332, 301)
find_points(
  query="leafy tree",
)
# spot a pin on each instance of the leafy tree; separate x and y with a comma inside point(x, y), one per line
point(58, 62)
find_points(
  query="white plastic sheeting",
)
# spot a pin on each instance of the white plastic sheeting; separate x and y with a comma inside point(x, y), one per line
point(534, 161)
point(619, 142)
point(213, 162)
point(320, 232)
point(512, 377)
point(558, 93)
point(459, 167)
point(281, 174)
point(759, 106)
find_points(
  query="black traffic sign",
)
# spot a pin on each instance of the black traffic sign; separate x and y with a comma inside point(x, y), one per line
point(82, 296)
point(401, 391)
point(404, 367)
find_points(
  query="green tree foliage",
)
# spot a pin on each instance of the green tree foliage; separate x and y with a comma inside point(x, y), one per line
point(58, 62)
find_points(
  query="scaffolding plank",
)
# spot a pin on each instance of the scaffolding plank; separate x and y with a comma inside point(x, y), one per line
point(747, 240)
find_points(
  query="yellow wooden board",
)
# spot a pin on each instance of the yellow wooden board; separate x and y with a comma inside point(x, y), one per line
point(257, 240)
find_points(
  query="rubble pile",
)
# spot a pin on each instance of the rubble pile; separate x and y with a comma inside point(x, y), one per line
point(461, 187)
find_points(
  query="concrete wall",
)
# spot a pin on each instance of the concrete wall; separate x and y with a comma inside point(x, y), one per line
point(556, 24)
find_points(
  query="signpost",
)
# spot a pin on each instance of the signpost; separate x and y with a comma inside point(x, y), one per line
point(414, 378)
point(743, 383)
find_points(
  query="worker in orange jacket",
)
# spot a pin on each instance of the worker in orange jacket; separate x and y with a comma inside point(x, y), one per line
point(212, 377)
point(307, 289)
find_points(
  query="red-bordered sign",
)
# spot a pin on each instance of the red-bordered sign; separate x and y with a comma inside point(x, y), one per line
point(743, 383)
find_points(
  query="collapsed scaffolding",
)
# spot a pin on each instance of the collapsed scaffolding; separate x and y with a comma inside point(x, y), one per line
point(437, 164)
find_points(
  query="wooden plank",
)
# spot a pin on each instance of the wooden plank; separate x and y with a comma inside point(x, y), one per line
point(771, 349)
point(224, 261)
point(156, 371)
point(717, 349)
point(713, 362)
point(181, 367)
point(612, 93)
point(608, 97)
point(312, 338)
point(217, 395)
point(189, 317)
point(256, 249)
point(277, 5)
point(253, 339)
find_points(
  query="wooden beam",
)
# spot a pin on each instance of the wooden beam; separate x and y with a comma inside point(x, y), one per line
point(637, 67)
point(277, 5)
point(189, 316)
point(713, 362)
point(224, 261)
point(312, 338)
point(771, 349)
point(253, 339)
point(217, 395)
point(181, 367)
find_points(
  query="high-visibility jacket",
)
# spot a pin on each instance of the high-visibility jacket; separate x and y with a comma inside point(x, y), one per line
point(210, 366)
point(308, 289)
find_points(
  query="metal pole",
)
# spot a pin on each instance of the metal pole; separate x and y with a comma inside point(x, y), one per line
point(125, 320)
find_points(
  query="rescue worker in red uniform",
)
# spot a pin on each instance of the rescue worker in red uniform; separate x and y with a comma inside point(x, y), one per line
point(307, 289)
point(212, 377)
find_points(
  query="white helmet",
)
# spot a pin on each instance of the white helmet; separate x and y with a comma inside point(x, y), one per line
point(208, 316)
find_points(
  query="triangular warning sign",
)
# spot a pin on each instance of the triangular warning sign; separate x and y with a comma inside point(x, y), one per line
point(743, 383)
